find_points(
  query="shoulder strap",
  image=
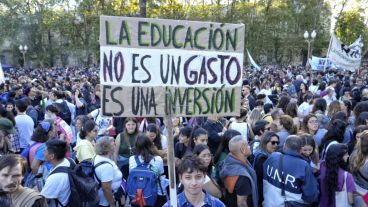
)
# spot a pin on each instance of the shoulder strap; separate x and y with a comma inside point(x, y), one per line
point(61, 169)
point(96, 166)
point(137, 160)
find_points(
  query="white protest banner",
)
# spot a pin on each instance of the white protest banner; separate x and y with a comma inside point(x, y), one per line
point(2, 78)
point(254, 64)
point(347, 57)
point(196, 67)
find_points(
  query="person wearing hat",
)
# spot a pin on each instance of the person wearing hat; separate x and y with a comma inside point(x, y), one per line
point(7, 126)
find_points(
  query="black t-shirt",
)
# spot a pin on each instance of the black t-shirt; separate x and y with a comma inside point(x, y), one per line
point(243, 187)
point(180, 150)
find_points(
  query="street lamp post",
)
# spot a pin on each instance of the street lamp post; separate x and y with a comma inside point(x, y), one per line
point(23, 50)
point(309, 40)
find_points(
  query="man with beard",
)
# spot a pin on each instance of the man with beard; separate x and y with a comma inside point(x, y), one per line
point(11, 174)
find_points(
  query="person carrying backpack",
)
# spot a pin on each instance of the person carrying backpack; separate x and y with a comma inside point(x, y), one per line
point(107, 174)
point(67, 185)
point(146, 183)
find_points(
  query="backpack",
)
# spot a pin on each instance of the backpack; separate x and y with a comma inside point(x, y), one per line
point(65, 113)
point(142, 184)
point(83, 188)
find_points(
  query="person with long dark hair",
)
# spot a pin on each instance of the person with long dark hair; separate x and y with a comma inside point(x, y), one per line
point(319, 109)
point(223, 148)
point(125, 144)
point(182, 146)
point(210, 184)
point(310, 151)
point(269, 144)
point(159, 140)
point(147, 152)
point(334, 135)
point(337, 184)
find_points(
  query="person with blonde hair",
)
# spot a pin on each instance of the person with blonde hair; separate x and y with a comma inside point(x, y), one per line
point(359, 167)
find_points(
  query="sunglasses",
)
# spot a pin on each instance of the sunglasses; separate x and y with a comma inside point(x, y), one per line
point(275, 142)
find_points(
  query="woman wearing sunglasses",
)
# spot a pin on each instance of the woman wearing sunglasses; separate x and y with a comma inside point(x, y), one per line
point(268, 145)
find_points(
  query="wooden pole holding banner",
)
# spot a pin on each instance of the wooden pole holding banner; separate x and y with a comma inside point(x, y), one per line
point(170, 153)
point(328, 51)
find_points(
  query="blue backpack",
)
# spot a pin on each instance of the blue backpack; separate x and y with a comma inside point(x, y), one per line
point(142, 184)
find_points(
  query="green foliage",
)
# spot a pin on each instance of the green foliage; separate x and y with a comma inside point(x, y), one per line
point(57, 29)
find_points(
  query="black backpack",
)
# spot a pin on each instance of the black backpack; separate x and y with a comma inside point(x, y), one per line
point(64, 113)
point(83, 188)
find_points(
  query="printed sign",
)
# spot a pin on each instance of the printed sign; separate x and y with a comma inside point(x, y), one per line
point(148, 64)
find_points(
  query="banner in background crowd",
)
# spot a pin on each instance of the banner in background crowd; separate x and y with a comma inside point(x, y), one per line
point(254, 64)
point(196, 67)
point(2, 78)
point(347, 57)
point(318, 63)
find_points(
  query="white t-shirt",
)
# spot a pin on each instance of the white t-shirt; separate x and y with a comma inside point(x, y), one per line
point(304, 109)
point(24, 125)
point(241, 127)
point(102, 122)
point(57, 186)
point(107, 173)
point(164, 142)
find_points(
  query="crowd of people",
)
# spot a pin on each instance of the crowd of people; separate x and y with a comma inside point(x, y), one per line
point(301, 139)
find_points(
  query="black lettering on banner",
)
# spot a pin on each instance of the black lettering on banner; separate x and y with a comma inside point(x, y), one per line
point(116, 101)
point(119, 59)
point(205, 98)
point(154, 41)
point(203, 72)
point(105, 100)
point(144, 101)
point(107, 66)
point(136, 96)
point(219, 94)
point(108, 34)
point(228, 70)
point(175, 71)
point(164, 77)
point(188, 101)
point(214, 76)
point(181, 98)
point(134, 68)
point(152, 102)
point(222, 60)
point(145, 69)
point(193, 74)
point(215, 38)
point(124, 33)
point(141, 33)
point(230, 100)
point(196, 103)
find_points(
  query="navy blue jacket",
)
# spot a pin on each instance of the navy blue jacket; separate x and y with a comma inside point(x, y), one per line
point(300, 184)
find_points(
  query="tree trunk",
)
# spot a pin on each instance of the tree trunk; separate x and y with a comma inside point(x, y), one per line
point(143, 8)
